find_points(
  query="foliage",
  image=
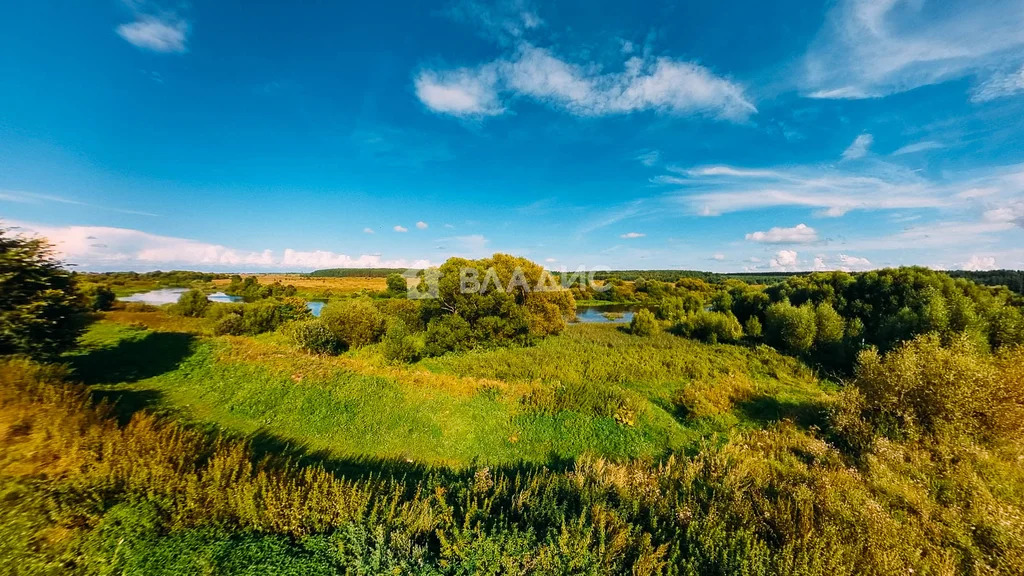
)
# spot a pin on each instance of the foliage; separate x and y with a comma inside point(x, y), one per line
point(396, 284)
point(502, 300)
point(791, 328)
point(752, 328)
point(925, 388)
point(314, 336)
point(711, 327)
point(643, 323)
point(42, 312)
point(153, 497)
point(250, 289)
point(101, 297)
point(192, 303)
point(258, 317)
point(354, 322)
point(399, 344)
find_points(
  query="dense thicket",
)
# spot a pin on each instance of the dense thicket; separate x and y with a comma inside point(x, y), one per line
point(250, 289)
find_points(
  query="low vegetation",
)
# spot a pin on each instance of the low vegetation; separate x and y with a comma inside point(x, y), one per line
point(825, 424)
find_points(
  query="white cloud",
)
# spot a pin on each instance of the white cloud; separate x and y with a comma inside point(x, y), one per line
point(644, 84)
point(422, 225)
point(784, 260)
point(551, 260)
point(630, 235)
point(719, 257)
point(1000, 86)
point(108, 248)
point(918, 147)
point(799, 234)
point(156, 34)
point(368, 231)
point(834, 191)
point(979, 263)
point(399, 228)
point(871, 48)
point(851, 263)
point(461, 92)
point(859, 147)
point(649, 158)
point(23, 197)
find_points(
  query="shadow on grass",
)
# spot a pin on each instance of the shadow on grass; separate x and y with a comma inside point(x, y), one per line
point(270, 447)
point(766, 409)
point(132, 359)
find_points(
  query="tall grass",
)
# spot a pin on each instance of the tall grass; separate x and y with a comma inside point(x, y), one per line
point(152, 497)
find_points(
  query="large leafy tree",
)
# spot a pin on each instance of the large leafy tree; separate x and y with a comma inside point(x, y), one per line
point(42, 312)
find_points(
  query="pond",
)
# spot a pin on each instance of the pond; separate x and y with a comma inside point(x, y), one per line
point(612, 313)
point(171, 295)
point(315, 306)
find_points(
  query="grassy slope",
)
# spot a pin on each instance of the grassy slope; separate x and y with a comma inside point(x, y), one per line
point(592, 390)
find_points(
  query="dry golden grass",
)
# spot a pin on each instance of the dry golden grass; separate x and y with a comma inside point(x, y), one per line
point(156, 320)
point(314, 284)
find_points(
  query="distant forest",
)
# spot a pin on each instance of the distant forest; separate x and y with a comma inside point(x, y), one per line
point(1013, 279)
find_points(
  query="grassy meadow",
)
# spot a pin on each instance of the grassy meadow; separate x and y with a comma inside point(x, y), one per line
point(317, 287)
point(536, 404)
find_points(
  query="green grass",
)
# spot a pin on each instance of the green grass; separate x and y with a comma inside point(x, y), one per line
point(593, 390)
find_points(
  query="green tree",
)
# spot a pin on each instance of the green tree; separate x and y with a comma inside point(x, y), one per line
point(791, 328)
point(42, 312)
point(355, 322)
point(830, 325)
point(192, 303)
point(101, 297)
point(643, 323)
point(396, 283)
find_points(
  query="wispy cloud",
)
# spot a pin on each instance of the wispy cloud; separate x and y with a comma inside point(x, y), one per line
point(166, 33)
point(107, 248)
point(799, 234)
point(631, 235)
point(859, 147)
point(918, 147)
point(400, 228)
point(871, 48)
point(999, 86)
point(643, 84)
point(649, 157)
point(368, 231)
point(22, 197)
point(422, 225)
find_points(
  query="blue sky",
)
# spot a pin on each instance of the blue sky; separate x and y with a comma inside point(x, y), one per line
point(719, 136)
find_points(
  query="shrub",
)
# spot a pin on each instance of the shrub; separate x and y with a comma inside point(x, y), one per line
point(355, 322)
point(643, 323)
point(406, 310)
point(447, 334)
point(752, 328)
point(925, 388)
point(396, 284)
point(231, 324)
point(791, 329)
point(710, 327)
point(398, 343)
point(192, 304)
point(314, 336)
point(101, 297)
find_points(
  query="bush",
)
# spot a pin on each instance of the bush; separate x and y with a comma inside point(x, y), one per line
point(925, 388)
point(314, 336)
point(406, 310)
point(396, 284)
point(643, 323)
point(752, 328)
point(447, 334)
point(399, 344)
point(192, 304)
point(356, 322)
point(231, 324)
point(710, 327)
point(101, 298)
point(791, 329)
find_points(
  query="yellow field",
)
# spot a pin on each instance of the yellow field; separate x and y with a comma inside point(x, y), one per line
point(308, 284)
